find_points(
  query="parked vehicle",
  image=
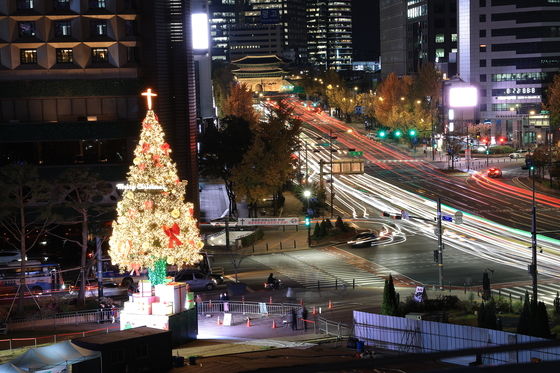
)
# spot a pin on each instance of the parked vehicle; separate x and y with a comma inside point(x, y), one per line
point(39, 277)
point(197, 280)
point(9, 256)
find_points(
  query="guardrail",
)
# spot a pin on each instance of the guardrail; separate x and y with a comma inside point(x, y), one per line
point(66, 318)
point(333, 328)
point(246, 307)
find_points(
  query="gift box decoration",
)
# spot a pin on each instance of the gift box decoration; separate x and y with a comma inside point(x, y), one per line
point(162, 309)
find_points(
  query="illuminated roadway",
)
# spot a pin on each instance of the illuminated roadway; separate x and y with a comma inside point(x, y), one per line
point(413, 185)
point(494, 235)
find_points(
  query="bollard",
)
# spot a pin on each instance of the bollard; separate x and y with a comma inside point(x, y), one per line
point(35, 339)
point(318, 285)
point(10, 345)
point(336, 283)
point(267, 246)
point(353, 283)
point(280, 245)
point(294, 244)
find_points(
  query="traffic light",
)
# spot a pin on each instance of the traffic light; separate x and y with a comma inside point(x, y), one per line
point(398, 133)
point(307, 221)
point(502, 140)
point(411, 132)
point(381, 134)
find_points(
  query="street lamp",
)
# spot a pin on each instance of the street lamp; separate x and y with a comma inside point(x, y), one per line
point(307, 195)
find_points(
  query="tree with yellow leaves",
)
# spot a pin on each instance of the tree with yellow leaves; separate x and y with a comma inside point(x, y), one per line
point(154, 224)
point(553, 106)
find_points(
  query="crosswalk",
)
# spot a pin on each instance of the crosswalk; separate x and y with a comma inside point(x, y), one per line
point(546, 292)
point(312, 269)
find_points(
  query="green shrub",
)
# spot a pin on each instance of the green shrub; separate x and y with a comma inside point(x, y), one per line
point(256, 235)
point(501, 149)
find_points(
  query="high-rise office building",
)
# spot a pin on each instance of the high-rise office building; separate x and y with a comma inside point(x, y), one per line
point(329, 30)
point(414, 32)
point(510, 49)
point(71, 73)
point(222, 15)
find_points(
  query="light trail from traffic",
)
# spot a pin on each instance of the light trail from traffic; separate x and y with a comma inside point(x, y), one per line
point(370, 196)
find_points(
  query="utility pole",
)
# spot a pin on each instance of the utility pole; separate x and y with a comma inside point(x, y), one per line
point(440, 244)
point(306, 165)
point(533, 270)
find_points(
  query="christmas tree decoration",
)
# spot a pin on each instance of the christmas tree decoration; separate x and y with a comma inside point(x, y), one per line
point(154, 224)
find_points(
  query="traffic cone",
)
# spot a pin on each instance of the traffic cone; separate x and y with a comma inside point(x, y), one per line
point(314, 312)
point(274, 324)
point(330, 305)
point(218, 322)
point(249, 322)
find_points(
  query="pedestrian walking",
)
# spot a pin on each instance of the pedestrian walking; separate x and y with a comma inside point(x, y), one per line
point(294, 319)
point(304, 317)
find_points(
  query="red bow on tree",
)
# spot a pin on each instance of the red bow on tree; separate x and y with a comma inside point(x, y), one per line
point(165, 147)
point(172, 233)
point(145, 147)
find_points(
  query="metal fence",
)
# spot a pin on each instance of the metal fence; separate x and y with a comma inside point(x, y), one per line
point(67, 318)
point(333, 328)
point(246, 307)
point(418, 336)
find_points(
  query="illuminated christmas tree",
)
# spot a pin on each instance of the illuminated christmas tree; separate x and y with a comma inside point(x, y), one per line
point(154, 226)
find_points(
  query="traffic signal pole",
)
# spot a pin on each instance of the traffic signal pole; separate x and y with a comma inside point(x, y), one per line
point(440, 244)
point(534, 240)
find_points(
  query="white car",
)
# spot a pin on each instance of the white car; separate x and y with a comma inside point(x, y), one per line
point(518, 154)
point(9, 256)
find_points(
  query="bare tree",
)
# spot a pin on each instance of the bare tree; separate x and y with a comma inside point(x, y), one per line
point(79, 194)
point(25, 212)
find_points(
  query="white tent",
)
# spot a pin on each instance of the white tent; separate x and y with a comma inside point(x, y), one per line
point(10, 368)
point(53, 358)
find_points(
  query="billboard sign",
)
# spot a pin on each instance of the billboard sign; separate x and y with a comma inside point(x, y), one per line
point(267, 221)
point(464, 96)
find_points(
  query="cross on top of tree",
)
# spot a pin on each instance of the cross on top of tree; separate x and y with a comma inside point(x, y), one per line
point(149, 94)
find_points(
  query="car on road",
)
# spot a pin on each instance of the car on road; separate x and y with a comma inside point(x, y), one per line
point(518, 154)
point(494, 172)
point(197, 280)
point(364, 239)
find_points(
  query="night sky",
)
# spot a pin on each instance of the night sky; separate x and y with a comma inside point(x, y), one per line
point(365, 29)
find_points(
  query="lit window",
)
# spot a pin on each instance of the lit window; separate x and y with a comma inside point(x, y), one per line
point(440, 52)
point(64, 56)
point(99, 4)
point(26, 28)
point(100, 28)
point(28, 56)
point(453, 37)
point(62, 4)
point(25, 4)
point(62, 28)
point(440, 38)
point(99, 55)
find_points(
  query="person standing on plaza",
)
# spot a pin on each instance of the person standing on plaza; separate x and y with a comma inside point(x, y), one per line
point(294, 319)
